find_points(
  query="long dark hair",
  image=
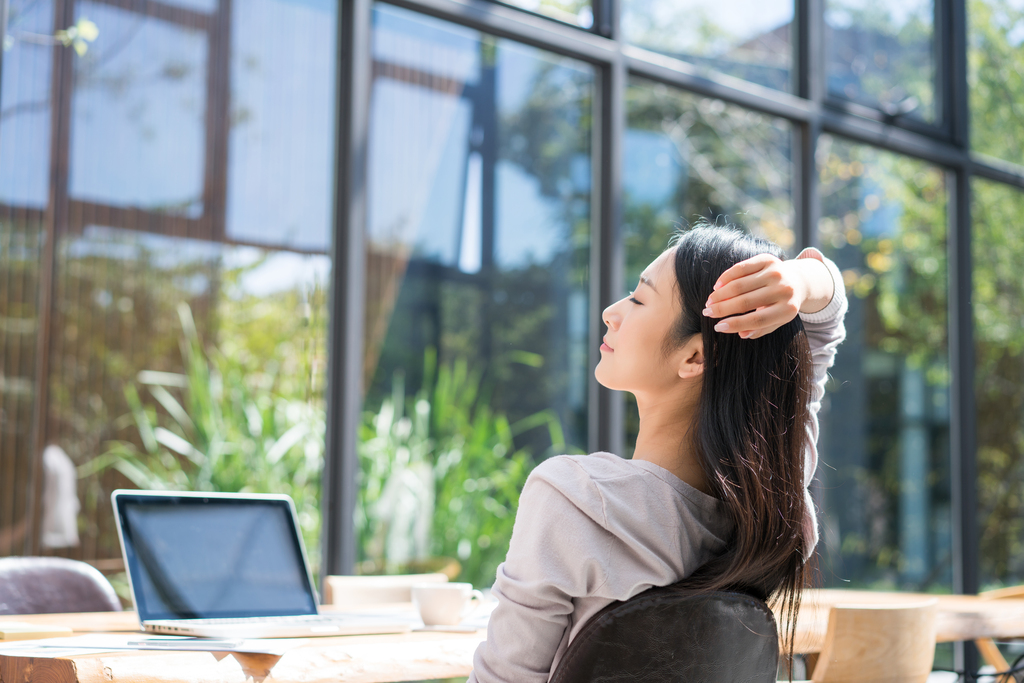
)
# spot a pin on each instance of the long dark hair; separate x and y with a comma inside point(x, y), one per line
point(749, 432)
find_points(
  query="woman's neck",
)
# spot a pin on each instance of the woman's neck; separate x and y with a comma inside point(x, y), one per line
point(663, 438)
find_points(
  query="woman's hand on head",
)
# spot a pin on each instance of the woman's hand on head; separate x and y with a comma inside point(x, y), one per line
point(757, 296)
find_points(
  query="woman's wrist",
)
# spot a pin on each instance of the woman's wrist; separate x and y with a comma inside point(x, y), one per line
point(819, 287)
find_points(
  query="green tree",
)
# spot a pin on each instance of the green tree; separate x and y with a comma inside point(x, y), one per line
point(441, 474)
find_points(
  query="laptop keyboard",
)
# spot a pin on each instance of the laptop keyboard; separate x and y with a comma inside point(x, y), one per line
point(295, 619)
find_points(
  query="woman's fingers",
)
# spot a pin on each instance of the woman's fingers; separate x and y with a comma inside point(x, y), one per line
point(744, 268)
point(765, 295)
point(747, 276)
point(756, 323)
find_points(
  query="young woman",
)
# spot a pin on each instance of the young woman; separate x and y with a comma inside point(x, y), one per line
point(725, 347)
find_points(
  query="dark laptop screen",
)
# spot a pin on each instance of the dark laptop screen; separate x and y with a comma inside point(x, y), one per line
point(197, 557)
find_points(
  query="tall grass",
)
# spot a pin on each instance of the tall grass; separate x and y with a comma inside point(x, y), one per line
point(441, 474)
point(215, 428)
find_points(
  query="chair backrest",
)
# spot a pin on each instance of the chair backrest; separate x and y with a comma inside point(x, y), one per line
point(987, 646)
point(352, 591)
point(878, 643)
point(669, 635)
point(44, 585)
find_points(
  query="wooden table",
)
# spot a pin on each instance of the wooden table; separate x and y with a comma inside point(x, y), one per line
point(412, 656)
point(958, 617)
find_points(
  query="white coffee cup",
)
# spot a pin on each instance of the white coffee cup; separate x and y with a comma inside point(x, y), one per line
point(445, 604)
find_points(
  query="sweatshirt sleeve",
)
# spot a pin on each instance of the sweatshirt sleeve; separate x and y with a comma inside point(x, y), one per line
point(558, 529)
point(825, 331)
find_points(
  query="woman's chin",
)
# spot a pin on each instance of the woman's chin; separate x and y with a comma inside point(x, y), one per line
point(603, 378)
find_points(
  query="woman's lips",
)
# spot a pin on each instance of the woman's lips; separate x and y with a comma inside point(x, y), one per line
point(605, 347)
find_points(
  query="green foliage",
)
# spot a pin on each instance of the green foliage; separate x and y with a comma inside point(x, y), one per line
point(996, 78)
point(998, 306)
point(737, 163)
point(892, 209)
point(441, 474)
point(884, 224)
point(213, 428)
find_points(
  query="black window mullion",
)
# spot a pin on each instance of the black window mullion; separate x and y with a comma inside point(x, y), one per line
point(608, 258)
point(806, 206)
point(808, 57)
point(963, 426)
point(348, 274)
point(524, 27)
point(604, 13)
point(998, 170)
point(899, 140)
point(809, 84)
point(963, 450)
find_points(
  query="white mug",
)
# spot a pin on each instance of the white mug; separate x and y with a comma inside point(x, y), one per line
point(445, 604)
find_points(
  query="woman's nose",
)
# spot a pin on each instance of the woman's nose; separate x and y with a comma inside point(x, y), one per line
point(611, 317)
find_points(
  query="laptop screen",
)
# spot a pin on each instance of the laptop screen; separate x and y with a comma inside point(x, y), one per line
point(197, 556)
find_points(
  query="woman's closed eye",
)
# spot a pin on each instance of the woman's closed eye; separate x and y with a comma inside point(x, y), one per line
point(633, 299)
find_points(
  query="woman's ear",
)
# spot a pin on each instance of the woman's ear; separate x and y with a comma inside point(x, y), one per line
point(691, 363)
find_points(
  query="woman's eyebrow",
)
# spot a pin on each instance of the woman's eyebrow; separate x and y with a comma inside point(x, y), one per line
point(647, 281)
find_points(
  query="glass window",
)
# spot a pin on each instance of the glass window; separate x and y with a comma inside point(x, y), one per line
point(884, 445)
point(883, 55)
point(998, 305)
point(689, 157)
point(996, 78)
point(188, 364)
point(183, 352)
point(748, 40)
point(25, 121)
point(139, 109)
point(478, 247)
point(25, 105)
point(281, 120)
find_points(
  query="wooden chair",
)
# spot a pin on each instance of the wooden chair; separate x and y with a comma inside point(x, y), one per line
point(353, 591)
point(673, 635)
point(986, 646)
point(890, 643)
point(45, 585)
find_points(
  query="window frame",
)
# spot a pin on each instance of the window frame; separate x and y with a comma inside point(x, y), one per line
point(811, 111)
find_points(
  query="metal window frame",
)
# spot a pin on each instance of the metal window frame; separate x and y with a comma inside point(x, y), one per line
point(811, 113)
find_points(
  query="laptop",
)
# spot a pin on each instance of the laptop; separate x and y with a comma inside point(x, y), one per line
point(225, 565)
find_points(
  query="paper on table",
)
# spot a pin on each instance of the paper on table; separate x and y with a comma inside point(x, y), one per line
point(21, 630)
point(103, 642)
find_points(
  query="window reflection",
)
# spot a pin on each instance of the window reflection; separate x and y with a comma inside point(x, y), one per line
point(281, 122)
point(996, 78)
point(884, 446)
point(126, 306)
point(688, 157)
point(138, 110)
point(998, 306)
point(748, 40)
point(25, 111)
point(189, 298)
point(577, 12)
point(25, 105)
point(198, 5)
point(478, 255)
point(883, 55)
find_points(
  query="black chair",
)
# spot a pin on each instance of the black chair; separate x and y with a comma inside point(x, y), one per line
point(674, 635)
point(45, 585)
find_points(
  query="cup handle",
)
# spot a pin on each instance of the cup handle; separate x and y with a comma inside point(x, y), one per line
point(475, 598)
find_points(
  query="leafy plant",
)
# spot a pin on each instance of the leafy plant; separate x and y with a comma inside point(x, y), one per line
point(441, 474)
point(218, 428)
